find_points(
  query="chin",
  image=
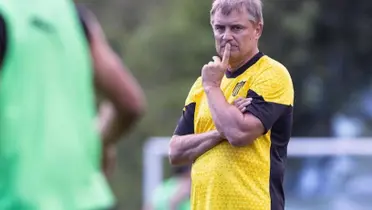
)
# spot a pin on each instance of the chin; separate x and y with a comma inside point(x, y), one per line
point(234, 54)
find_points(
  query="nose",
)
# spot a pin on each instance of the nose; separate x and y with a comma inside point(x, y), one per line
point(227, 36)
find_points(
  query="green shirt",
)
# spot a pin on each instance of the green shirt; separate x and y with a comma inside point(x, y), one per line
point(50, 150)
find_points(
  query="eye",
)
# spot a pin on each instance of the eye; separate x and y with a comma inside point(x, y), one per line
point(237, 28)
point(219, 28)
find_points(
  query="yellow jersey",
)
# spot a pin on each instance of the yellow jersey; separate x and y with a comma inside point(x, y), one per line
point(251, 177)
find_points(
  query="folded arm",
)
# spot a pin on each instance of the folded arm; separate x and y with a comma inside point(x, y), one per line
point(186, 146)
point(271, 94)
point(239, 128)
point(186, 149)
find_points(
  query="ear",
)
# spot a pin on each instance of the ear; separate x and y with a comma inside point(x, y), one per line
point(258, 31)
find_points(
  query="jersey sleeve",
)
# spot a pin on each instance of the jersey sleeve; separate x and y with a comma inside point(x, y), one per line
point(272, 94)
point(185, 124)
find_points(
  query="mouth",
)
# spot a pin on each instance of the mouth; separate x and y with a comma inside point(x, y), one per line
point(232, 47)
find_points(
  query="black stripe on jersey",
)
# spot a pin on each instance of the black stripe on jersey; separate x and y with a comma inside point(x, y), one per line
point(242, 69)
point(185, 124)
point(280, 135)
point(267, 112)
point(278, 119)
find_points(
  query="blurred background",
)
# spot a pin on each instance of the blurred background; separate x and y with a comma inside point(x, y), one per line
point(325, 44)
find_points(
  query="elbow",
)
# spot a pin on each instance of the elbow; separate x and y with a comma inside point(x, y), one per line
point(172, 154)
point(244, 132)
point(129, 117)
point(173, 159)
point(240, 139)
point(134, 111)
point(138, 108)
point(175, 156)
point(239, 142)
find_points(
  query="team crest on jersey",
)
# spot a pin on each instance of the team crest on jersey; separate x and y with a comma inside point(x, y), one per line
point(237, 88)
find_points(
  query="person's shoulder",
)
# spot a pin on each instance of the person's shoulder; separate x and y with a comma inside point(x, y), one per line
point(197, 86)
point(271, 63)
point(274, 82)
point(198, 81)
point(272, 68)
point(195, 91)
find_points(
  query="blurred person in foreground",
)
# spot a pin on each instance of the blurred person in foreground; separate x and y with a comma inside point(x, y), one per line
point(238, 154)
point(174, 192)
point(53, 57)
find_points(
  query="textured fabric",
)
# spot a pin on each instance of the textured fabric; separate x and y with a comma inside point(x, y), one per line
point(50, 150)
point(250, 177)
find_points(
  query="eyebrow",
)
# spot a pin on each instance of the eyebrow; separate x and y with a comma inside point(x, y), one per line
point(227, 24)
point(224, 22)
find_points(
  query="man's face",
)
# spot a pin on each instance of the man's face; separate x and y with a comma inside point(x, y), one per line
point(236, 29)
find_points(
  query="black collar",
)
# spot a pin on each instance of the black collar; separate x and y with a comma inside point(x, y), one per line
point(246, 66)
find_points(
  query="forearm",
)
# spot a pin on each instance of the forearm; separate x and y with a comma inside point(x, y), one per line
point(113, 125)
point(225, 116)
point(185, 149)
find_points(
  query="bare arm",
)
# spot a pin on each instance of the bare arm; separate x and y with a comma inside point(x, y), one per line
point(185, 149)
point(186, 146)
point(125, 99)
point(272, 94)
point(240, 129)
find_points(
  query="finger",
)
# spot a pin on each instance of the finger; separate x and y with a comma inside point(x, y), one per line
point(245, 103)
point(244, 100)
point(248, 99)
point(243, 106)
point(226, 55)
point(216, 59)
point(210, 63)
point(238, 101)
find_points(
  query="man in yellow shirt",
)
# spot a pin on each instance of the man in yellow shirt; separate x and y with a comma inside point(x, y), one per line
point(238, 152)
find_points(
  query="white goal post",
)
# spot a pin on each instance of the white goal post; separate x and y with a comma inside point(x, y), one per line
point(156, 150)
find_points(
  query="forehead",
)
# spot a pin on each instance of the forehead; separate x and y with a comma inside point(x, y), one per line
point(236, 16)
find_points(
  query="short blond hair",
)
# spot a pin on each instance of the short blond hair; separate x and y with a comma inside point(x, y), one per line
point(253, 7)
